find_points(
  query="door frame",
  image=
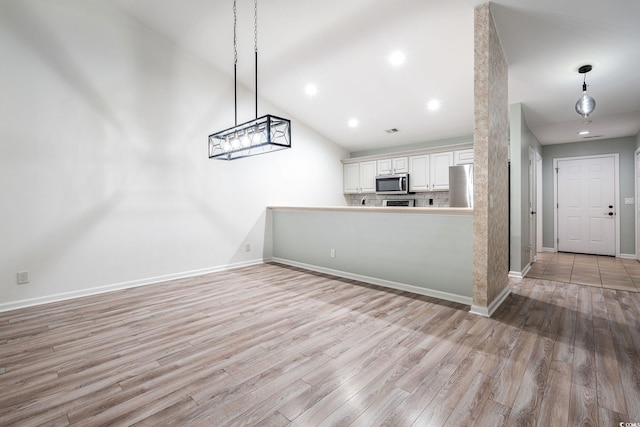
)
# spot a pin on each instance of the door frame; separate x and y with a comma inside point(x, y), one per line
point(616, 195)
point(539, 200)
point(636, 183)
point(533, 206)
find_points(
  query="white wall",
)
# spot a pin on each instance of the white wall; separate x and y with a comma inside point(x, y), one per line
point(104, 175)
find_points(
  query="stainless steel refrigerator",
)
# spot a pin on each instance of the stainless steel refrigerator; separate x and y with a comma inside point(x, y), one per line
point(461, 186)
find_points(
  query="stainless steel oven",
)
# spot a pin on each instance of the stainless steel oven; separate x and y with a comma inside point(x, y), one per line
point(407, 203)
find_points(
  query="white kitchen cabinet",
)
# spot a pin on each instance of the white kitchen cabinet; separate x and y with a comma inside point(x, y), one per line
point(463, 157)
point(359, 177)
point(351, 178)
point(419, 179)
point(400, 164)
point(385, 167)
point(368, 177)
point(393, 166)
point(439, 170)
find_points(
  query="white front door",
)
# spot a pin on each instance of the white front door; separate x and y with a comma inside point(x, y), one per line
point(586, 205)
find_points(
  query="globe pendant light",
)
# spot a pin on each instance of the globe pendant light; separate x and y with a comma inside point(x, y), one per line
point(586, 104)
point(260, 135)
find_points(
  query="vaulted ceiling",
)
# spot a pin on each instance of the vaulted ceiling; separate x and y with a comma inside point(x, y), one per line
point(343, 48)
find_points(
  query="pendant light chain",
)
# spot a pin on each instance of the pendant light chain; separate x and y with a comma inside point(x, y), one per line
point(235, 33)
point(255, 46)
point(255, 25)
point(235, 61)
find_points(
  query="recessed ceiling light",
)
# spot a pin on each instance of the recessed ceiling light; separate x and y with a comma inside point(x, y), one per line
point(311, 89)
point(584, 132)
point(353, 123)
point(433, 105)
point(397, 58)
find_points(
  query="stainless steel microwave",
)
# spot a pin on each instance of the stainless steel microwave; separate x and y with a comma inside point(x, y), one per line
point(392, 184)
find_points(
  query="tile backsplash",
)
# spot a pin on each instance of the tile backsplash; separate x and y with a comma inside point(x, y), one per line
point(440, 199)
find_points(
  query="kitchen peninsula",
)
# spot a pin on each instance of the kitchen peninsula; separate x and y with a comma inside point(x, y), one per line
point(427, 251)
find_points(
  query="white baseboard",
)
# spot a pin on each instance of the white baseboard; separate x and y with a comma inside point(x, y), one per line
point(380, 282)
point(520, 274)
point(495, 304)
point(14, 305)
point(625, 256)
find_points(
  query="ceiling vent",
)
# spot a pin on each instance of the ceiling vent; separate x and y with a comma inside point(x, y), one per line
point(392, 130)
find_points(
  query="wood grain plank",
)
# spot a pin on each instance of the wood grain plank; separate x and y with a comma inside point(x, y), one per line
point(410, 409)
point(557, 396)
point(345, 391)
point(167, 415)
point(443, 404)
point(627, 356)
point(563, 350)
point(609, 383)
point(472, 402)
point(511, 370)
point(381, 408)
point(374, 392)
point(528, 401)
point(439, 343)
point(584, 365)
point(492, 414)
point(608, 417)
point(583, 406)
point(629, 310)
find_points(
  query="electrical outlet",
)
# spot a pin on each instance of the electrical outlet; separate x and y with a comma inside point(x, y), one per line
point(333, 253)
point(23, 277)
point(247, 247)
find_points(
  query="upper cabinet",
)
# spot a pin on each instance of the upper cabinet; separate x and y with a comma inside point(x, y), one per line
point(463, 157)
point(368, 177)
point(351, 178)
point(400, 165)
point(419, 179)
point(393, 166)
point(359, 177)
point(440, 163)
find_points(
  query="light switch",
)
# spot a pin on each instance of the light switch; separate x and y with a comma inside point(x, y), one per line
point(628, 201)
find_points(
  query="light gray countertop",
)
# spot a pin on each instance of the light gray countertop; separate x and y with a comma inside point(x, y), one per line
point(383, 209)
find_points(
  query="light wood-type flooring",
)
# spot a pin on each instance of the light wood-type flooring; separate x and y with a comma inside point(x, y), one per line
point(271, 345)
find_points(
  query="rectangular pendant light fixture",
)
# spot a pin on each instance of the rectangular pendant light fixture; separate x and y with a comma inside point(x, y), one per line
point(262, 135)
